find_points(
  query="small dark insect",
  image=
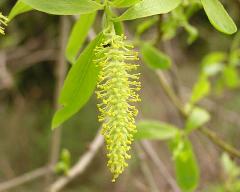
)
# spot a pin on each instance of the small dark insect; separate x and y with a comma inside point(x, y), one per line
point(107, 45)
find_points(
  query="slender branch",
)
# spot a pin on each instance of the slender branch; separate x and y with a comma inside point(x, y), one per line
point(146, 169)
point(80, 166)
point(60, 73)
point(24, 178)
point(207, 132)
point(173, 97)
point(161, 167)
point(221, 143)
point(19, 64)
point(6, 80)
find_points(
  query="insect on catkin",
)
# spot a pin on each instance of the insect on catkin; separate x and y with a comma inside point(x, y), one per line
point(3, 23)
point(117, 87)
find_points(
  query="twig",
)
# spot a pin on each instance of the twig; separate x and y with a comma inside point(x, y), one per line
point(80, 166)
point(60, 73)
point(146, 169)
point(161, 167)
point(24, 178)
point(173, 97)
point(207, 132)
point(6, 80)
point(19, 64)
point(219, 142)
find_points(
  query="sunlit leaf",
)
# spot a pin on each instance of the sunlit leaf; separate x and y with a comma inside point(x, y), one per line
point(197, 118)
point(218, 16)
point(147, 8)
point(78, 35)
point(124, 3)
point(79, 85)
point(18, 9)
point(154, 58)
point(155, 130)
point(64, 7)
point(186, 166)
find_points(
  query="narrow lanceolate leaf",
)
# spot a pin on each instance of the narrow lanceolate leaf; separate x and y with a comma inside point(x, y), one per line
point(155, 130)
point(64, 7)
point(154, 58)
point(18, 9)
point(218, 16)
point(147, 8)
point(197, 118)
point(78, 35)
point(124, 3)
point(79, 84)
point(186, 166)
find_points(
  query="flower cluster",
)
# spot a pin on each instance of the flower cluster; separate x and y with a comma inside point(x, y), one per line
point(3, 23)
point(117, 87)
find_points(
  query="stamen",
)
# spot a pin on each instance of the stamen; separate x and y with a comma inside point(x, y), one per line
point(117, 89)
point(3, 23)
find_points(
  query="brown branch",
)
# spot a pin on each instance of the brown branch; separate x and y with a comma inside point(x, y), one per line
point(24, 178)
point(21, 63)
point(60, 73)
point(160, 166)
point(146, 169)
point(6, 80)
point(80, 166)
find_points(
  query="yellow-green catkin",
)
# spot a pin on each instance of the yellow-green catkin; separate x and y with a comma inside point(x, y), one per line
point(117, 89)
point(3, 23)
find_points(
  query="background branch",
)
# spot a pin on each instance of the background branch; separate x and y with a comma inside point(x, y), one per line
point(80, 166)
point(28, 177)
point(210, 134)
point(60, 73)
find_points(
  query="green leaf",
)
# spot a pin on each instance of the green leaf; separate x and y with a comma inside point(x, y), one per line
point(200, 89)
point(234, 58)
point(197, 118)
point(231, 77)
point(186, 166)
point(218, 16)
point(124, 3)
point(212, 64)
point(119, 28)
point(230, 167)
point(78, 35)
point(18, 9)
point(147, 8)
point(142, 27)
point(79, 84)
point(155, 130)
point(192, 32)
point(154, 58)
point(64, 7)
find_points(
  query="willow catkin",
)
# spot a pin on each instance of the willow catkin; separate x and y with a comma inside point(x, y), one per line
point(117, 87)
point(3, 23)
